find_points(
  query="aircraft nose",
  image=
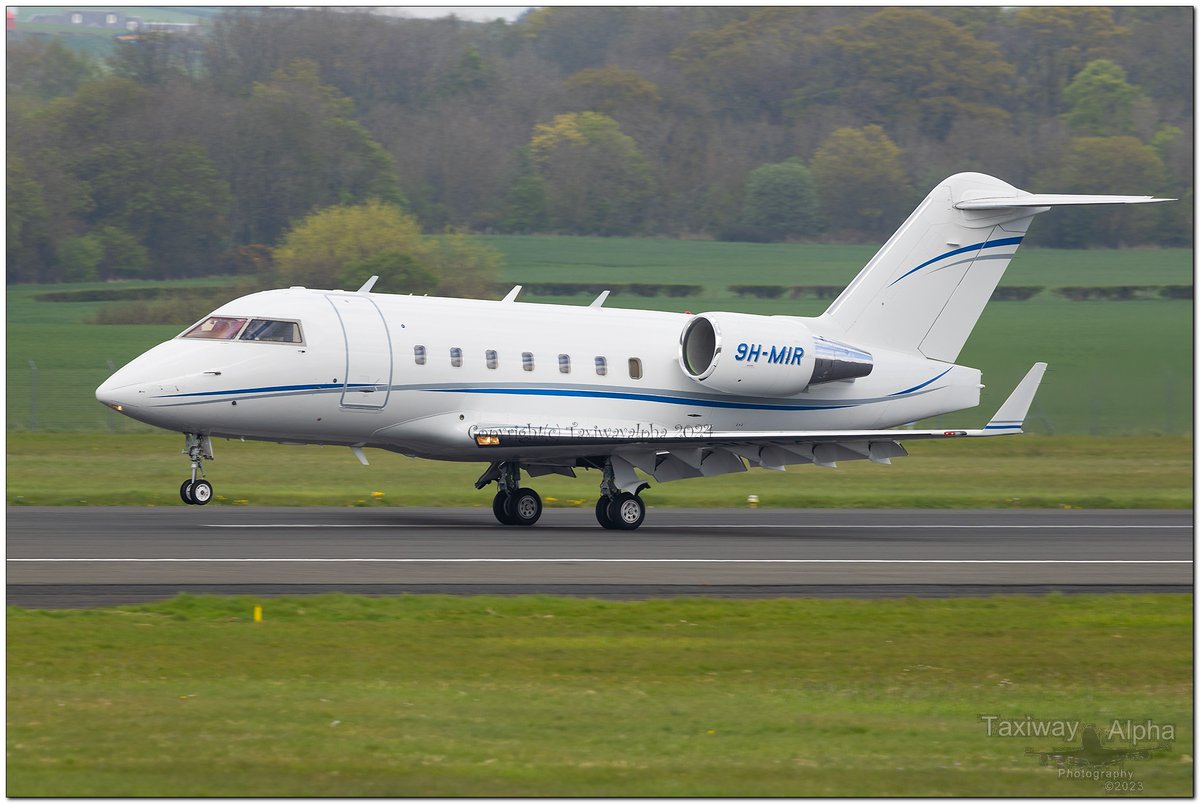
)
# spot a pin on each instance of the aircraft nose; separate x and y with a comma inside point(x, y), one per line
point(113, 394)
point(121, 390)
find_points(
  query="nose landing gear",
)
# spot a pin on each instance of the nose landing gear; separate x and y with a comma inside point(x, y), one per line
point(197, 448)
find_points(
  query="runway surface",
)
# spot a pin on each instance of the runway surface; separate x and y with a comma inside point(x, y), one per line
point(60, 557)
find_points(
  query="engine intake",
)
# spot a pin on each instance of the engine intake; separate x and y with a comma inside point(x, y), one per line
point(764, 355)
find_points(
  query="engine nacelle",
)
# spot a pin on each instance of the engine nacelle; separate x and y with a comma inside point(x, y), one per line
point(764, 355)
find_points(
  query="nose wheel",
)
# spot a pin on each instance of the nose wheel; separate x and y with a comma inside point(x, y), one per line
point(196, 491)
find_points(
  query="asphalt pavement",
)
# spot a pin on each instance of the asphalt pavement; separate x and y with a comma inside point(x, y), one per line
point(59, 557)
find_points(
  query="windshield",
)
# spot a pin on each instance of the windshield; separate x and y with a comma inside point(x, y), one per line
point(261, 329)
point(216, 328)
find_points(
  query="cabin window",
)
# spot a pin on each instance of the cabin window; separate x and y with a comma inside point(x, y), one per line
point(216, 328)
point(527, 361)
point(455, 356)
point(261, 329)
point(564, 364)
point(493, 359)
point(635, 368)
point(601, 365)
point(419, 355)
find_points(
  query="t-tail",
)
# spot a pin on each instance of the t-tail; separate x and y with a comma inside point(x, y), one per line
point(923, 292)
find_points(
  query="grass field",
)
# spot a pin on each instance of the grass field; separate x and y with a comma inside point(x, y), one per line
point(1115, 367)
point(1018, 472)
point(535, 696)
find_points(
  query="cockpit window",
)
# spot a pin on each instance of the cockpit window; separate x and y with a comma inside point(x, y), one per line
point(217, 328)
point(262, 329)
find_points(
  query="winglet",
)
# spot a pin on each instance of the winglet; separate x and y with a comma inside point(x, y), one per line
point(1011, 415)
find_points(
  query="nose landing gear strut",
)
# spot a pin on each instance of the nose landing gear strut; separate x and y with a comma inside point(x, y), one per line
point(197, 448)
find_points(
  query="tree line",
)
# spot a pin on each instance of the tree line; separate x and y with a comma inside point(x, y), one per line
point(184, 155)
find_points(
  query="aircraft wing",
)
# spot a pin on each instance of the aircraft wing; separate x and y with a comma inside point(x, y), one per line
point(700, 452)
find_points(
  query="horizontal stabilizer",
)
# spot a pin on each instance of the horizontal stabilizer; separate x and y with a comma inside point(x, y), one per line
point(1052, 200)
point(1011, 416)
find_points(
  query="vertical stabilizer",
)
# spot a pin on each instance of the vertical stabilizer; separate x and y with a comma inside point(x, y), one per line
point(925, 289)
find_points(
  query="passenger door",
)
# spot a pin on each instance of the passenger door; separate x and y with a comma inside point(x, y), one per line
point(368, 380)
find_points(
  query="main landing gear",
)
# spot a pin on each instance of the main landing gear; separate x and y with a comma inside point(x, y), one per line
point(514, 505)
point(622, 512)
point(193, 491)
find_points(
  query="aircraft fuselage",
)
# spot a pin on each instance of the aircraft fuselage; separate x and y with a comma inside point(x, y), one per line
point(418, 375)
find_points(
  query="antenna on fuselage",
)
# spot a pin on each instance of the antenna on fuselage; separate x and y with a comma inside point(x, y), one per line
point(599, 300)
point(512, 294)
point(370, 283)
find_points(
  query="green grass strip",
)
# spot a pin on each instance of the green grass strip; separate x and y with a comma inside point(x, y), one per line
point(540, 696)
point(1019, 472)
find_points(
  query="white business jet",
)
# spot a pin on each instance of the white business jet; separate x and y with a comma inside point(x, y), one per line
point(548, 389)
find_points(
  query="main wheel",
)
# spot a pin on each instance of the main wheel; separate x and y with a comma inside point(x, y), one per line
point(201, 492)
point(602, 513)
point(500, 509)
point(524, 507)
point(185, 492)
point(626, 511)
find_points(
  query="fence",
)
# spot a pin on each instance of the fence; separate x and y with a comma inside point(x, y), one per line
point(62, 399)
point(1080, 401)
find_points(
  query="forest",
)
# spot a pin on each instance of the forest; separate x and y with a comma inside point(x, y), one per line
point(195, 154)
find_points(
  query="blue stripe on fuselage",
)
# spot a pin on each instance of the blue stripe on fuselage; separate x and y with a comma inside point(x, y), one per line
point(667, 399)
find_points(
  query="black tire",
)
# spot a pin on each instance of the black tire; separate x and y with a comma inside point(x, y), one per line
point(524, 507)
point(185, 492)
point(627, 511)
point(201, 492)
point(602, 513)
point(499, 508)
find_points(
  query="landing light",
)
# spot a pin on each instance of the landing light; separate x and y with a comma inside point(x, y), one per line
point(118, 408)
point(487, 440)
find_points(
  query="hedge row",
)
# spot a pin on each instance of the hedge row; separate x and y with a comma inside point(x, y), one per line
point(127, 294)
point(1007, 293)
point(178, 307)
point(1125, 292)
point(794, 292)
point(595, 288)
